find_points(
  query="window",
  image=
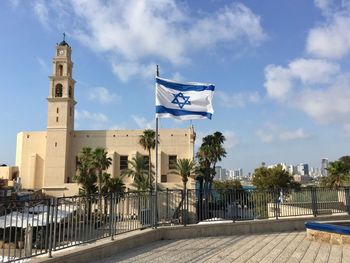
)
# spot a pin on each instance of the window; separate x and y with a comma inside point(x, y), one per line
point(172, 161)
point(56, 119)
point(123, 164)
point(70, 92)
point(60, 70)
point(163, 178)
point(57, 110)
point(58, 91)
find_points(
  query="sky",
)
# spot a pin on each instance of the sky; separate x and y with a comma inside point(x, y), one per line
point(281, 70)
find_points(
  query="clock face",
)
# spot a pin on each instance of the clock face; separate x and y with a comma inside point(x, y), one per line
point(61, 52)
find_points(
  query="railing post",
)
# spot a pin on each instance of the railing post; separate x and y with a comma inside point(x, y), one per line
point(276, 197)
point(200, 205)
point(187, 207)
point(167, 204)
point(314, 201)
point(51, 215)
point(111, 216)
point(347, 199)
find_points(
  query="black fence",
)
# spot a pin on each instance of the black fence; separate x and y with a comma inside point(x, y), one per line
point(30, 228)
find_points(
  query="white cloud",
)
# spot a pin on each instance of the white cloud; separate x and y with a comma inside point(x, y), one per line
point(41, 12)
point(264, 136)
point(14, 3)
point(43, 64)
point(327, 105)
point(326, 6)
point(133, 31)
point(102, 95)
point(238, 100)
point(293, 135)
point(142, 122)
point(313, 71)
point(177, 77)
point(272, 133)
point(280, 81)
point(317, 87)
point(125, 71)
point(90, 116)
point(231, 139)
point(90, 120)
point(332, 38)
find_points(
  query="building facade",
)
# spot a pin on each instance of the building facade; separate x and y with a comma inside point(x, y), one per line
point(47, 159)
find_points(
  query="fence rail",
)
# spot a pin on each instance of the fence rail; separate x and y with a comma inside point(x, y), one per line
point(30, 228)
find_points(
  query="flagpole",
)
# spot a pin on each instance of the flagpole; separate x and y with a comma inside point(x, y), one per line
point(156, 172)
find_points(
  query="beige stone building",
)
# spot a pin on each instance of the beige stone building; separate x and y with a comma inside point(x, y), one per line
point(47, 159)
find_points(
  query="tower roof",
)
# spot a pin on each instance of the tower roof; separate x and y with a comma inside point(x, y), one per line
point(63, 42)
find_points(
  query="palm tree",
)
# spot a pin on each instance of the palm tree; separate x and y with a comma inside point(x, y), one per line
point(338, 173)
point(86, 176)
point(210, 152)
point(148, 142)
point(138, 171)
point(101, 163)
point(111, 185)
point(185, 168)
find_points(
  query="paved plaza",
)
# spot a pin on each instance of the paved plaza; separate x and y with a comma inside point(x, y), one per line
point(278, 247)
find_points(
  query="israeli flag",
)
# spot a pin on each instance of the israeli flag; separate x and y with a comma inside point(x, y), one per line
point(184, 101)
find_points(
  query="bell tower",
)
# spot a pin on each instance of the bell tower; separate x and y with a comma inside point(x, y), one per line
point(60, 122)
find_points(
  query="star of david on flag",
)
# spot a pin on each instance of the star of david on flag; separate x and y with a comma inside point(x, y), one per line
point(184, 101)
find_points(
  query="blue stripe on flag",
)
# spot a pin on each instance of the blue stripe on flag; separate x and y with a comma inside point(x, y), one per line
point(162, 109)
point(184, 86)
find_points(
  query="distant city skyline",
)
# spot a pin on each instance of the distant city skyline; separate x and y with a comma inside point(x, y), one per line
point(280, 68)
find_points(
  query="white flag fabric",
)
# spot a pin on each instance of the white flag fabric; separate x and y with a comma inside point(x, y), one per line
point(184, 101)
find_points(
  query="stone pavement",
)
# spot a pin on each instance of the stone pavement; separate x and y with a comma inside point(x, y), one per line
point(277, 247)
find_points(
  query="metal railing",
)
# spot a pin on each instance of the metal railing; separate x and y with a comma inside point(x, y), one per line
point(256, 204)
point(30, 228)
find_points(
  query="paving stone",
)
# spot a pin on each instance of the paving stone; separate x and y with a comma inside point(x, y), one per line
point(265, 248)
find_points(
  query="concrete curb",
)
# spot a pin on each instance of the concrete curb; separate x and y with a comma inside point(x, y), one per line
point(107, 247)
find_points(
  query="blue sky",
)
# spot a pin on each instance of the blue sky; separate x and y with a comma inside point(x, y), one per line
point(281, 70)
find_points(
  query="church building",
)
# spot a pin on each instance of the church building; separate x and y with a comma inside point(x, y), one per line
point(47, 159)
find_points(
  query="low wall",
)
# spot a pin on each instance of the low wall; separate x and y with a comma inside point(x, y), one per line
point(106, 247)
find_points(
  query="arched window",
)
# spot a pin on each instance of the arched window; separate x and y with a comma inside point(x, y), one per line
point(60, 70)
point(70, 92)
point(58, 90)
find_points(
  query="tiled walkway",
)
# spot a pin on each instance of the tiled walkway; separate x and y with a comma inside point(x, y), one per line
point(280, 247)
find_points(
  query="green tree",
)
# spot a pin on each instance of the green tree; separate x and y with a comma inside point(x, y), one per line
point(228, 184)
point(86, 175)
point(139, 172)
point(148, 142)
point(273, 178)
point(338, 173)
point(101, 162)
point(209, 154)
point(185, 168)
point(112, 184)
